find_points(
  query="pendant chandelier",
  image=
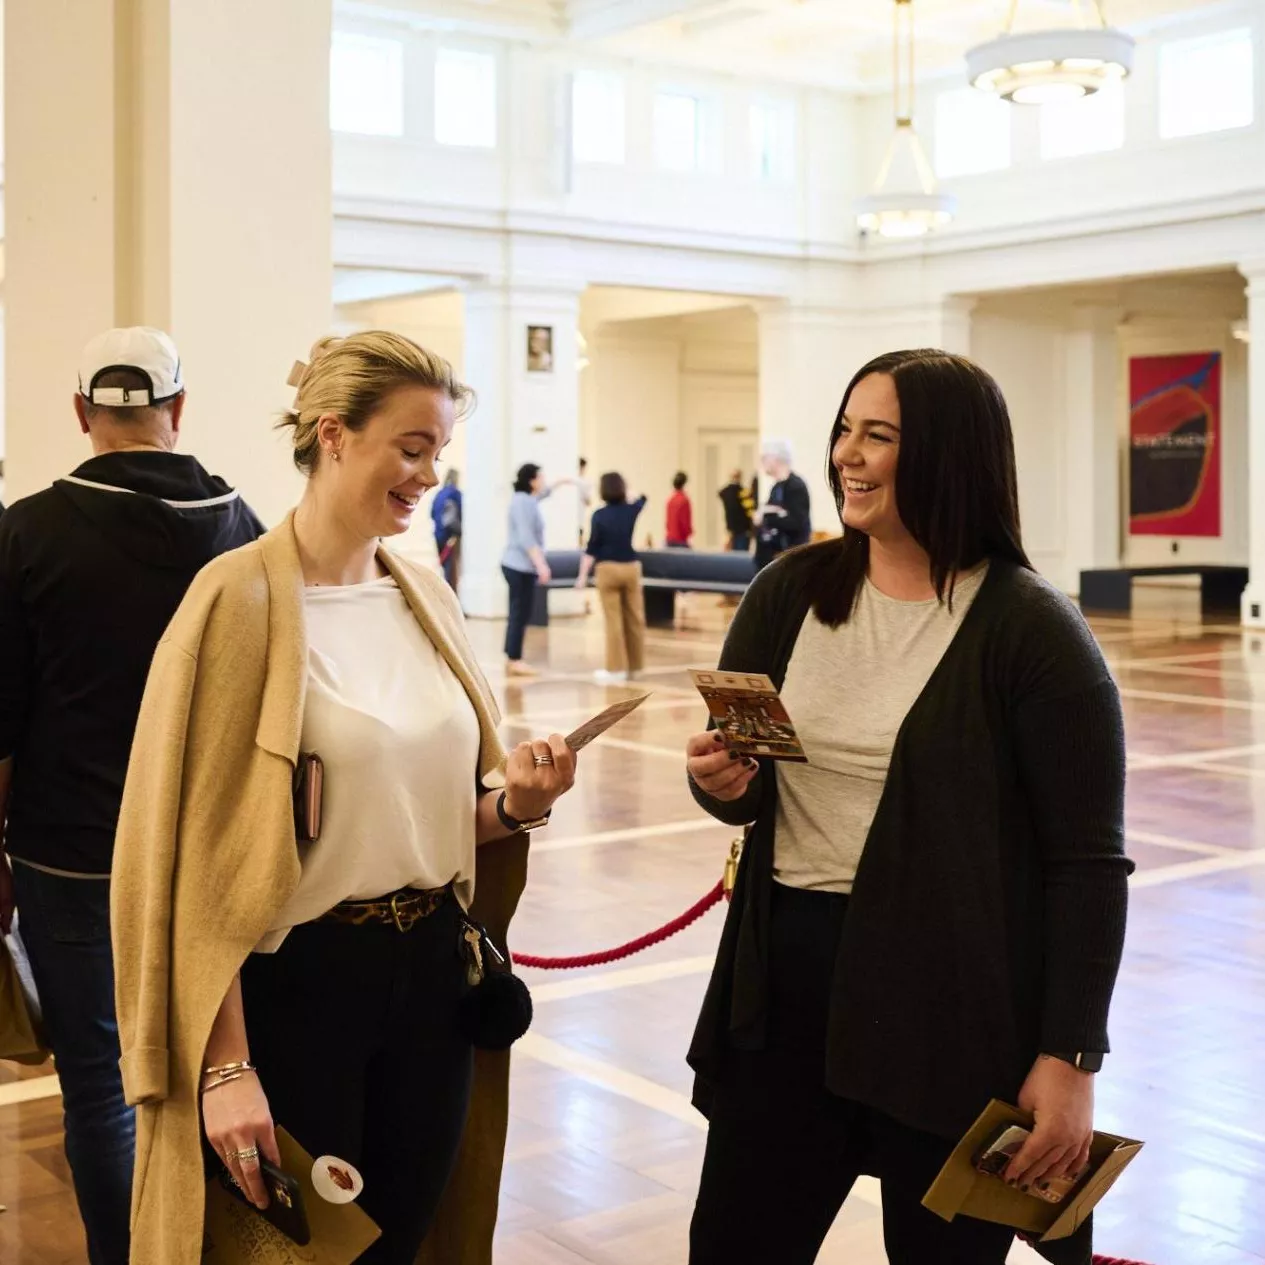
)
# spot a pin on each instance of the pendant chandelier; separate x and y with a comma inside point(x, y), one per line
point(905, 201)
point(1044, 66)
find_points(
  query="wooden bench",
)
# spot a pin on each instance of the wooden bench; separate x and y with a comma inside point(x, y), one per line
point(665, 573)
point(1111, 588)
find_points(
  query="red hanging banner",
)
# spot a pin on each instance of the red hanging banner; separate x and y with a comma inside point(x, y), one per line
point(1175, 445)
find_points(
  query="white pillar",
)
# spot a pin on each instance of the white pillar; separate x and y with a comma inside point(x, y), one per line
point(1254, 594)
point(184, 183)
point(809, 354)
point(523, 415)
point(60, 195)
point(1091, 492)
point(807, 358)
point(950, 324)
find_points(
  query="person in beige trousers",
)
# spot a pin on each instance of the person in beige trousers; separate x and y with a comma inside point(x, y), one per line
point(610, 550)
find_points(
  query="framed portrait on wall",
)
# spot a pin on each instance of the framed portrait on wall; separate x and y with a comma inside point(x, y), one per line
point(540, 349)
point(1175, 445)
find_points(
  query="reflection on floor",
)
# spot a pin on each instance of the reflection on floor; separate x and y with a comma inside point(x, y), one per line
point(604, 1149)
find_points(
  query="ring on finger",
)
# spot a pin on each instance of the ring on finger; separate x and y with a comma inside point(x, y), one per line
point(542, 760)
point(247, 1154)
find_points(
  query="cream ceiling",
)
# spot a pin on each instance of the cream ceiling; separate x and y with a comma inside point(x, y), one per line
point(843, 43)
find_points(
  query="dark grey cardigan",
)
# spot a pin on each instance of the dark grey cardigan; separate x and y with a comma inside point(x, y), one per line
point(987, 918)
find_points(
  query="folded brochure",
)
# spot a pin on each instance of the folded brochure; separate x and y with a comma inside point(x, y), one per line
point(749, 714)
point(599, 724)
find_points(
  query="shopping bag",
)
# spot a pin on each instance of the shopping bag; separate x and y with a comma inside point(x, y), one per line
point(20, 1036)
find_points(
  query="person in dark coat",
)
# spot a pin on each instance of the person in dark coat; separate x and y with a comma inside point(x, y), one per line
point(91, 571)
point(930, 913)
point(785, 519)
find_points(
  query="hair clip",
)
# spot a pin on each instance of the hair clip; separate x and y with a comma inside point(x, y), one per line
point(296, 374)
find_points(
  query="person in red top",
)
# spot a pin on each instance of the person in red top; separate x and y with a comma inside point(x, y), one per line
point(680, 515)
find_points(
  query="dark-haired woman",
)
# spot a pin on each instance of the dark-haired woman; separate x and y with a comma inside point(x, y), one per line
point(929, 913)
point(523, 562)
point(611, 550)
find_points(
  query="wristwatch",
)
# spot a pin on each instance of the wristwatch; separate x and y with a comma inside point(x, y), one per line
point(1085, 1061)
point(512, 824)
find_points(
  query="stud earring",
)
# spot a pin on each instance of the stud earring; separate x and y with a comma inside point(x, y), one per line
point(338, 456)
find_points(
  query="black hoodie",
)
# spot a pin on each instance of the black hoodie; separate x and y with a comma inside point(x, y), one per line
point(91, 572)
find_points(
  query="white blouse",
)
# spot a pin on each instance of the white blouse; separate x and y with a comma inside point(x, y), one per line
point(399, 739)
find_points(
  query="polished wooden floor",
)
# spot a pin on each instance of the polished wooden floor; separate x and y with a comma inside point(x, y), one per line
point(604, 1149)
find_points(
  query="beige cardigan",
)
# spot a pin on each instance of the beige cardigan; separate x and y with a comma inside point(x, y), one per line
point(205, 855)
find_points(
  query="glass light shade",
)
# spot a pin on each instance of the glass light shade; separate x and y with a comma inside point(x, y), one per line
point(904, 215)
point(1040, 67)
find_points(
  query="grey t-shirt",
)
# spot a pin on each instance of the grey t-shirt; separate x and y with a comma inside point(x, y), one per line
point(526, 531)
point(848, 690)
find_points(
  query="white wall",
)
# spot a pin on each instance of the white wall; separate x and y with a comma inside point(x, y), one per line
point(530, 170)
point(839, 142)
point(652, 389)
point(1026, 358)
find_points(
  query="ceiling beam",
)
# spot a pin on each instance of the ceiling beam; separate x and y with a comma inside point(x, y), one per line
point(596, 19)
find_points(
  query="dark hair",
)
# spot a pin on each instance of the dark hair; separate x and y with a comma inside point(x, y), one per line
point(525, 477)
point(584, 465)
point(612, 489)
point(956, 485)
point(680, 481)
point(131, 380)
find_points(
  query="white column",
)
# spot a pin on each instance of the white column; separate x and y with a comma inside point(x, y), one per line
point(1091, 492)
point(807, 358)
point(523, 415)
point(809, 354)
point(950, 324)
point(184, 183)
point(60, 192)
point(1254, 594)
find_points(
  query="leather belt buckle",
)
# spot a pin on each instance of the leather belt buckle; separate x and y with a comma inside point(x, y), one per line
point(395, 915)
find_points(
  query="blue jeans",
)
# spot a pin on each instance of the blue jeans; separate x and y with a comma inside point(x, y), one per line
point(522, 585)
point(66, 929)
point(741, 542)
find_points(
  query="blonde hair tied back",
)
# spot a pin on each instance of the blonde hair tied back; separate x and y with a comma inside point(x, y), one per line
point(351, 378)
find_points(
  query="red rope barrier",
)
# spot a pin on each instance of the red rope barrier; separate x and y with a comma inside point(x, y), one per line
point(691, 915)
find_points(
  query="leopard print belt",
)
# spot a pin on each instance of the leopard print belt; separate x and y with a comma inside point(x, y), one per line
point(402, 910)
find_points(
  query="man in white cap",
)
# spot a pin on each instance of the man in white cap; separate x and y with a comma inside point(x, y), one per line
point(785, 519)
point(91, 571)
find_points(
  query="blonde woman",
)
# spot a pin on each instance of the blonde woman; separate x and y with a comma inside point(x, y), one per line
point(265, 983)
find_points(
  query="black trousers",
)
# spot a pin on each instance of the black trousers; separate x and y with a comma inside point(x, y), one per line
point(522, 589)
point(354, 1032)
point(783, 1152)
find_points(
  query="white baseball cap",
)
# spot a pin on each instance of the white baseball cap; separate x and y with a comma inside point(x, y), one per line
point(148, 352)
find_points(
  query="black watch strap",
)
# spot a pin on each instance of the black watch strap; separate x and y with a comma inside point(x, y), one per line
point(1085, 1061)
point(512, 824)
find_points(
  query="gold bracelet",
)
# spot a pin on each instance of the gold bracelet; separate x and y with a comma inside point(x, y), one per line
point(244, 1066)
point(223, 1080)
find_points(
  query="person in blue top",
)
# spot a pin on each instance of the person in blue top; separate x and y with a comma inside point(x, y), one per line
point(523, 562)
point(611, 550)
point(445, 512)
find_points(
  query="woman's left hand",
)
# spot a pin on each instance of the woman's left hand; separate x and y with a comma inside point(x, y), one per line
point(1061, 1099)
point(537, 774)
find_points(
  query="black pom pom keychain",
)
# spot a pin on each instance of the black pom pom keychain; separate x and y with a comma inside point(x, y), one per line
point(497, 1010)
